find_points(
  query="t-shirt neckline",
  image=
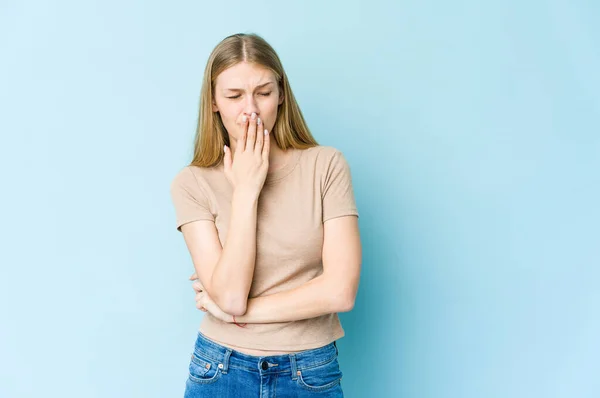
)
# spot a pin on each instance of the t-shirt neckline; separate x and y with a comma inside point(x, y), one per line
point(284, 171)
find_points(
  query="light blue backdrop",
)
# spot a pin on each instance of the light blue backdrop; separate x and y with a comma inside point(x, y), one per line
point(472, 130)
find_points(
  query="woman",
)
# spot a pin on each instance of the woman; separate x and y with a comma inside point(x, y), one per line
point(270, 221)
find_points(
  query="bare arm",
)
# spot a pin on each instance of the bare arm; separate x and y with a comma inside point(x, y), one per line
point(227, 271)
point(331, 292)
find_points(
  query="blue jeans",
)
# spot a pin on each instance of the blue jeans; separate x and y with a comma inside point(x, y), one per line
point(220, 372)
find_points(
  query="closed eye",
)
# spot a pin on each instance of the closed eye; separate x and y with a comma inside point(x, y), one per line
point(239, 95)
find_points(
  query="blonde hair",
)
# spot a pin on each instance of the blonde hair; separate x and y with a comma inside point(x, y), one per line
point(290, 130)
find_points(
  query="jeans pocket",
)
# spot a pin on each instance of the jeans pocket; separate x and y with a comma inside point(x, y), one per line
point(321, 377)
point(203, 370)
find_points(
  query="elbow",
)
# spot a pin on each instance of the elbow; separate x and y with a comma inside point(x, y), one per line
point(231, 300)
point(236, 309)
point(233, 304)
point(343, 295)
point(344, 302)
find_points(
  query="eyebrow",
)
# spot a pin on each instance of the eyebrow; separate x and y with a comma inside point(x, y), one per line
point(258, 87)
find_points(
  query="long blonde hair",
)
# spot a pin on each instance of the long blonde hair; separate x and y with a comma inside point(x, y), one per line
point(290, 130)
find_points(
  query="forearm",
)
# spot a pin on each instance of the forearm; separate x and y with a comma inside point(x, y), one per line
point(320, 296)
point(232, 276)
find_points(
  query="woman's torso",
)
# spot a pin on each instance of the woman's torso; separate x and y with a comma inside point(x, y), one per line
point(292, 208)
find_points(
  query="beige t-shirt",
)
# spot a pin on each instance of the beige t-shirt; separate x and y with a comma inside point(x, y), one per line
point(313, 187)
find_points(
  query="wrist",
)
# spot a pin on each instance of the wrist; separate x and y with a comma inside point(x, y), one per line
point(237, 323)
point(245, 194)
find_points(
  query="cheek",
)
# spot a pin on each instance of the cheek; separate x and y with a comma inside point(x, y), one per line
point(269, 110)
point(230, 111)
point(230, 115)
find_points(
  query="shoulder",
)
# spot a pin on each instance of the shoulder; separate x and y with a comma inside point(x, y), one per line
point(184, 178)
point(196, 174)
point(326, 163)
point(326, 158)
point(192, 178)
point(322, 155)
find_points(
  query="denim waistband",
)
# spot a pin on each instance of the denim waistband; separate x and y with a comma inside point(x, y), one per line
point(293, 362)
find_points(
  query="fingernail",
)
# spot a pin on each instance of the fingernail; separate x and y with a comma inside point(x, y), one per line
point(258, 121)
point(253, 116)
point(266, 132)
point(244, 118)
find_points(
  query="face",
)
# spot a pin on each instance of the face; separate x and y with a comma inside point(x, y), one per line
point(244, 89)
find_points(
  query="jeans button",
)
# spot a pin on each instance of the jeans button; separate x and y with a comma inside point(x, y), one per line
point(265, 366)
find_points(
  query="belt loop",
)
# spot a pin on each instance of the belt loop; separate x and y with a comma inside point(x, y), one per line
point(226, 361)
point(293, 367)
point(336, 349)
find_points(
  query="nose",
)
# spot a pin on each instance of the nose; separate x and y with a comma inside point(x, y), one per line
point(250, 106)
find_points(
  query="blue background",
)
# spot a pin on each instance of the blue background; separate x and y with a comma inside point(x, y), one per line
point(472, 130)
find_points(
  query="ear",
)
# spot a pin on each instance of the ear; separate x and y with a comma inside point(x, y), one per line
point(281, 97)
point(215, 108)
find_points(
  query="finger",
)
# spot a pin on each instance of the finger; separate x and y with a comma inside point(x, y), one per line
point(251, 138)
point(259, 136)
point(241, 143)
point(194, 276)
point(197, 286)
point(198, 283)
point(203, 309)
point(266, 147)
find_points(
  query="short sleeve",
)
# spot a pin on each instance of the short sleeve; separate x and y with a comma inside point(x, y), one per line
point(338, 194)
point(189, 200)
